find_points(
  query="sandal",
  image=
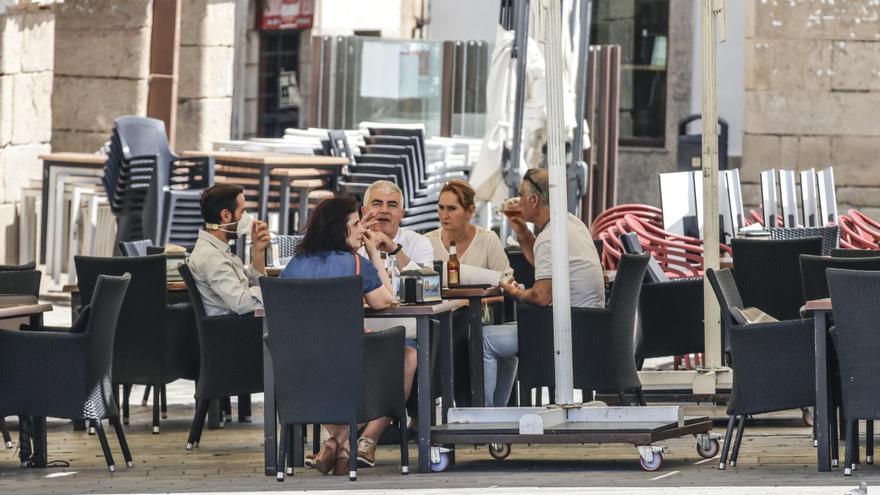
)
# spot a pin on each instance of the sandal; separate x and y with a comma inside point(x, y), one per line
point(325, 460)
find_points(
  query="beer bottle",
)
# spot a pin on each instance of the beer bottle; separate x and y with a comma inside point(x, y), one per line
point(453, 267)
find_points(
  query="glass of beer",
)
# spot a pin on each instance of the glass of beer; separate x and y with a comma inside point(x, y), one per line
point(510, 208)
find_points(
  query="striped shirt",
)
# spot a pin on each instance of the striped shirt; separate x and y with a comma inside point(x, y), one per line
point(226, 285)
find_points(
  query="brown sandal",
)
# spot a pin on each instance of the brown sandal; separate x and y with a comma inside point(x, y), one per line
point(325, 460)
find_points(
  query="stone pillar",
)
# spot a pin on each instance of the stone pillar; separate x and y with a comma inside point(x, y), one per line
point(813, 94)
point(26, 62)
point(207, 39)
point(102, 60)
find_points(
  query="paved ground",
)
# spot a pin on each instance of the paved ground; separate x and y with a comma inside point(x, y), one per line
point(777, 457)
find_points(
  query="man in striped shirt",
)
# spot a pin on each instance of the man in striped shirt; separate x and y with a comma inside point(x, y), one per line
point(226, 285)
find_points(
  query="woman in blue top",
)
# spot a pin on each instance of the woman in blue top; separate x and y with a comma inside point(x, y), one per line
point(329, 249)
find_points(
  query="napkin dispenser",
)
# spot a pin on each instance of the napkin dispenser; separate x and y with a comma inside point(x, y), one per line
point(419, 286)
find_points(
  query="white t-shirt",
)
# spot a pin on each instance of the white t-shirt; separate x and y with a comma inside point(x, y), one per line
point(415, 245)
point(584, 268)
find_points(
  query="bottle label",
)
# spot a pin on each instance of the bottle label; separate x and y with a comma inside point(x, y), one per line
point(452, 277)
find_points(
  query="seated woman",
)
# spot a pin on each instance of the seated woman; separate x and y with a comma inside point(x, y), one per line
point(475, 247)
point(329, 249)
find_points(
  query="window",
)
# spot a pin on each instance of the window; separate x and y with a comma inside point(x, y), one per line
point(279, 66)
point(641, 27)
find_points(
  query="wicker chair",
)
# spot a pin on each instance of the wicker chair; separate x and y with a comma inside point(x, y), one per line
point(764, 379)
point(156, 342)
point(854, 297)
point(768, 273)
point(854, 253)
point(230, 358)
point(33, 364)
point(602, 339)
point(309, 320)
point(830, 235)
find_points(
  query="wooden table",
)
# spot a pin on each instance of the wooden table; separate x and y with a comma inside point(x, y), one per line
point(265, 163)
point(474, 297)
point(821, 309)
point(422, 313)
point(38, 423)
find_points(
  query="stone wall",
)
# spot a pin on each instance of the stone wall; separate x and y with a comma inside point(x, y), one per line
point(207, 39)
point(26, 62)
point(102, 62)
point(813, 95)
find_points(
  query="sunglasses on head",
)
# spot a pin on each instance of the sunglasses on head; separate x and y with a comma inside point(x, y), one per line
point(535, 185)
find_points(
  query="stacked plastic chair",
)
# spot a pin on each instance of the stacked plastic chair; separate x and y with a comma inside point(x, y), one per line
point(153, 193)
point(858, 231)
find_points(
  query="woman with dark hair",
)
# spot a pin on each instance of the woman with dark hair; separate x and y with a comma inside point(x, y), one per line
point(329, 249)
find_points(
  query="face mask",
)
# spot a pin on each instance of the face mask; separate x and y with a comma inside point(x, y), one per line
point(242, 227)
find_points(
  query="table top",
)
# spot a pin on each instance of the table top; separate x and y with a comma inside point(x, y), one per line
point(405, 310)
point(178, 286)
point(818, 305)
point(269, 159)
point(469, 292)
point(75, 158)
point(20, 310)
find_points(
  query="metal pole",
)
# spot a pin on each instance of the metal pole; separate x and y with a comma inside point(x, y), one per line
point(712, 329)
point(557, 166)
point(577, 171)
point(521, 43)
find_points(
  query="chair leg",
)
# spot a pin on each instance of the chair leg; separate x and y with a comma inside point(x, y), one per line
point(156, 406)
point(108, 456)
point(316, 438)
point(869, 442)
point(835, 447)
point(25, 426)
point(738, 442)
point(848, 456)
point(404, 446)
point(244, 408)
point(352, 451)
point(195, 431)
point(126, 395)
point(7, 439)
point(640, 395)
point(282, 452)
point(164, 403)
point(855, 458)
point(291, 448)
point(227, 410)
point(145, 399)
point(621, 397)
point(123, 444)
point(722, 464)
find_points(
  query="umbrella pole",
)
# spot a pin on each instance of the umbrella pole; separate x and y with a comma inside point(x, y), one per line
point(711, 11)
point(521, 43)
point(578, 170)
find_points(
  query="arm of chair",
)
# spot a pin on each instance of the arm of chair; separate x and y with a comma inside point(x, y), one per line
point(383, 373)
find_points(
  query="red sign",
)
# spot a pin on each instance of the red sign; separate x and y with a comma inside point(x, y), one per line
point(287, 14)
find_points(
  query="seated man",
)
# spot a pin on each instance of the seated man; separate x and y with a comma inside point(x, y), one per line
point(226, 285)
point(385, 201)
point(585, 275)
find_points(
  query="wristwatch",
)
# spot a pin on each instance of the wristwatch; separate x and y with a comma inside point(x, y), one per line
point(397, 249)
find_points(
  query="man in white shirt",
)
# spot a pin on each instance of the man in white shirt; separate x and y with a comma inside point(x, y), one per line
point(225, 284)
point(385, 200)
point(585, 276)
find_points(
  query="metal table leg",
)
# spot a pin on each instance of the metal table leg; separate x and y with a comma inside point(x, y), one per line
point(447, 377)
point(270, 420)
point(821, 416)
point(475, 346)
point(284, 207)
point(424, 398)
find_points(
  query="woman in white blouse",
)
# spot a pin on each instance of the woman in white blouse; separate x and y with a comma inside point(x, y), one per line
point(475, 246)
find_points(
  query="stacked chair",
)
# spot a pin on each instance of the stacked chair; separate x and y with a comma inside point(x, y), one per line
point(153, 193)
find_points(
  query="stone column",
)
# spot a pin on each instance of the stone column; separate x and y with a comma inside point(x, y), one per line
point(102, 60)
point(26, 62)
point(207, 38)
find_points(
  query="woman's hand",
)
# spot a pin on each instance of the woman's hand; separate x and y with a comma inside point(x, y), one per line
point(370, 244)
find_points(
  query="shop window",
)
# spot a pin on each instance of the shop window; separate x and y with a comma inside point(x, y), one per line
point(279, 98)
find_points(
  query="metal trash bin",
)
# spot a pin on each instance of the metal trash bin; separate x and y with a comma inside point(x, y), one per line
point(690, 145)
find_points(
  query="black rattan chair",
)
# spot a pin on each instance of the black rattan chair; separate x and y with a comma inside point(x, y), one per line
point(773, 363)
point(768, 273)
point(309, 320)
point(813, 272)
point(14, 268)
point(602, 339)
point(854, 296)
point(135, 248)
point(854, 253)
point(67, 374)
point(830, 235)
point(230, 358)
point(156, 343)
